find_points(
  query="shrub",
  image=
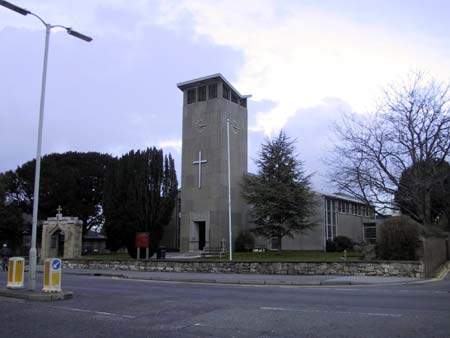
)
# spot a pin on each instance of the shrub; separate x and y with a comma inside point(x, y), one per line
point(366, 250)
point(343, 243)
point(244, 242)
point(398, 239)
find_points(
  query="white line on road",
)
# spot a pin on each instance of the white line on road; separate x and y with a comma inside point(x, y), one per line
point(95, 312)
point(12, 300)
point(328, 311)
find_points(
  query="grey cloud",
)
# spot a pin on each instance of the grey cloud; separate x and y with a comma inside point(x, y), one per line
point(111, 95)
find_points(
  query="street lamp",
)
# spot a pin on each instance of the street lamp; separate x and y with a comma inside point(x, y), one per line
point(48, 27)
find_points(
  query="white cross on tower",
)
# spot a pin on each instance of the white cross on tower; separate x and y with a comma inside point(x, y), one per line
point(59, 214)
point(199, 162)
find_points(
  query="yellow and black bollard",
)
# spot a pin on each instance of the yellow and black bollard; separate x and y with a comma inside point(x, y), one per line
point(16, 272)
point(52, 275)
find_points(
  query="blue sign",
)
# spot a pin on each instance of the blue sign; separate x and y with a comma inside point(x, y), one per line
point(56, 264)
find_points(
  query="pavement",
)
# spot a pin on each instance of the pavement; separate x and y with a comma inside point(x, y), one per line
point(35, 295)
point(234, 278)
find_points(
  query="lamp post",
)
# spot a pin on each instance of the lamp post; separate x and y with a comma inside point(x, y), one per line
point(48, 28)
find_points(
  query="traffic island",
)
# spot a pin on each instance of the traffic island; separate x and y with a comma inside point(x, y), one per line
point(36, 296)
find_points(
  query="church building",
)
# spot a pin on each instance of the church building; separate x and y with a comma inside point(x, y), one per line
point(214, 112)
point(208, 103)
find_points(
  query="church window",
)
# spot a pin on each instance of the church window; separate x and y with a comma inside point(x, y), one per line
point(331, 218)
point(226, 92)
point(202, 93)
point(370, 232)
point(234, 97)
point(212, 91)
point(243, 102)
point(191, 96)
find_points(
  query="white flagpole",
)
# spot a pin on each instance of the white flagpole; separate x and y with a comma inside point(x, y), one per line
point(229, 192)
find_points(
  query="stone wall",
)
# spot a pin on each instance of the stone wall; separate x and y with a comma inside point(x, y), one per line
point(374, 268)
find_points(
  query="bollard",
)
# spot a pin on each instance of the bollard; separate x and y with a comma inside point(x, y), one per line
point(16, 269)
point(52, 275)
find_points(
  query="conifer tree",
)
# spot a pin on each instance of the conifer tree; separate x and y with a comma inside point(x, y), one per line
point(280, 196)
point(140, 193)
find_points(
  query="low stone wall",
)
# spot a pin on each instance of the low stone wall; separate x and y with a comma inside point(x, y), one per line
point(349, 268)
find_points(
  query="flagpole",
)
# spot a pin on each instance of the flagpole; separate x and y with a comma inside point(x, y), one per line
point(229, 192)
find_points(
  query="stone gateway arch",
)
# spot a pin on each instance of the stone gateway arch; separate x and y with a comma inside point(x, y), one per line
point(61, 237)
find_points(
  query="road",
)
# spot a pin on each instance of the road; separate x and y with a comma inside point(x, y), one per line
point(109, 307)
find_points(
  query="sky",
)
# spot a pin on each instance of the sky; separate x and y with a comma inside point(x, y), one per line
point(305, 63)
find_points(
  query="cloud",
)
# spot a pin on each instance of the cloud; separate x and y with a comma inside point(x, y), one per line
point(171, 144)
point(303, 62)
point(313, 130)
point(111, 95)
point(295, 55)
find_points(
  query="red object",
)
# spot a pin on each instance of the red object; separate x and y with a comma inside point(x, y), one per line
point(142, 240)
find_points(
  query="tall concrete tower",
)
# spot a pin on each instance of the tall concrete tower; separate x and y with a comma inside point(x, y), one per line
point(208, 103)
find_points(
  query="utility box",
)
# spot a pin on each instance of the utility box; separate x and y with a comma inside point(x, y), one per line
point(16, 272)
point(52, 275)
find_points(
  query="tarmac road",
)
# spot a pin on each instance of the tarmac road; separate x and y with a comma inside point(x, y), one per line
point(114, 307)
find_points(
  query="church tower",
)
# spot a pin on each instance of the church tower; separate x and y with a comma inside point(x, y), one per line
point(208, 103)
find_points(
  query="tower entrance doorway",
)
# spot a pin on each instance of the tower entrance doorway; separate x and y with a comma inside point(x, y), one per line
point(201, 229)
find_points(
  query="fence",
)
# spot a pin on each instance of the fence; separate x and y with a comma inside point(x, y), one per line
point(434, 252)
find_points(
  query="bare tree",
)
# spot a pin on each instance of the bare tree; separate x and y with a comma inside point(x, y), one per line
point(411, 126)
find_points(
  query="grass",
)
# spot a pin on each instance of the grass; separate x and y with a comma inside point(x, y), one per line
point(108, 257)
point(269, 256)
point(280, 256)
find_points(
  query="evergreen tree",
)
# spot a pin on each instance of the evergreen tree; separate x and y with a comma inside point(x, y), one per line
point(424, 192)
point(73, 180)
point(140, 193)
point(280, 196)
point(11, 220)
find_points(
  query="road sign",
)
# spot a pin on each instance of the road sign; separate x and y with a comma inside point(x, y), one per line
point(142, 240)
point(56, 264)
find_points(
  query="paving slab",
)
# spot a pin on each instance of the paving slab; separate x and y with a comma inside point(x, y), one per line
point(35, 295)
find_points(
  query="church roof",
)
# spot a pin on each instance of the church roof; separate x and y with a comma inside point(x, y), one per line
point(186, 84)
point(341, 196)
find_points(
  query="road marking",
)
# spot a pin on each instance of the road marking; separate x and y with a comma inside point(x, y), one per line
point(409, 291)
point(12, 300)
point(95, 312)
point(328, 311)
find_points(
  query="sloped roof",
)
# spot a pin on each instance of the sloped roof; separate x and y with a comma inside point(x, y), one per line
point(94, 235)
